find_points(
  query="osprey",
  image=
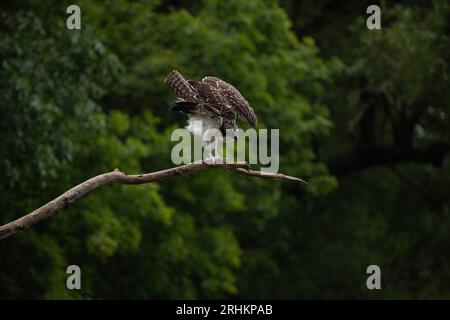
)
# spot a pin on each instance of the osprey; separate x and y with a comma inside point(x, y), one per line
point(212, 103)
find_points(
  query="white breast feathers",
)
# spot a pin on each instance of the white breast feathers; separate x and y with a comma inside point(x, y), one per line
point(197, 125)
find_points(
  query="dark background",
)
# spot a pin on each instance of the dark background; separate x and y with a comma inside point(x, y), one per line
point(363, 116)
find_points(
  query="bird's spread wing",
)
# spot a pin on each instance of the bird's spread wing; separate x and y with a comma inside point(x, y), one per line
point(207, 93)
point(207, 100)
point(180, 86)
point(211, 98)
point(233, 98)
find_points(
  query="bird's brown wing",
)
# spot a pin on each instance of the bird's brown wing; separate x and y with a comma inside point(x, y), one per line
point(208, 94)
point(212, 102)
point(233, 98)
point(198, 98)
point(180, 86)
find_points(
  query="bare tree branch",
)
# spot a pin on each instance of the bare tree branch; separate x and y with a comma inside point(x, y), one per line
point(87, 186)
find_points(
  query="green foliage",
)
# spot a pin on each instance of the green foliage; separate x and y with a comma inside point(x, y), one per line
point(75, 104)
point(388, 149)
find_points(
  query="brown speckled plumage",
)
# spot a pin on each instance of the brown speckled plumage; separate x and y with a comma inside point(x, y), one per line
point(211, 97)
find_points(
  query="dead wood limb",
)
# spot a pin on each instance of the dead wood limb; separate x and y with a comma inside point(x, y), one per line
point(87, 186)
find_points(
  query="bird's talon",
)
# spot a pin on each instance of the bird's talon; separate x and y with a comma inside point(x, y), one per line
point(210, 161)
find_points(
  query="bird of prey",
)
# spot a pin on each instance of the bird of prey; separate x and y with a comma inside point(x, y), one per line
point(212, 102)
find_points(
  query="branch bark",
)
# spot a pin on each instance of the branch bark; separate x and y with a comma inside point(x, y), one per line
point(118, 176)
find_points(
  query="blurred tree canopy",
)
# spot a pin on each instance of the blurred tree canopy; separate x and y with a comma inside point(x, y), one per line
point(363, 115)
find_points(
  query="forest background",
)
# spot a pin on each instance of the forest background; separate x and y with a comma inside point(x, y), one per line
point(363, 116)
